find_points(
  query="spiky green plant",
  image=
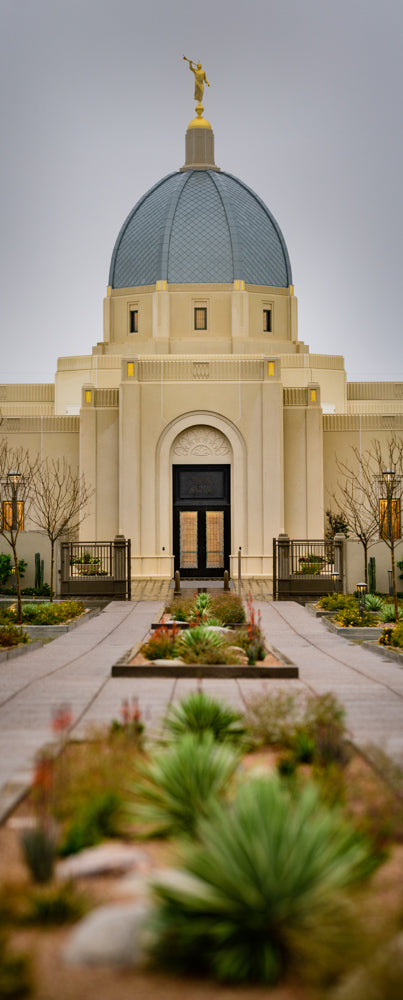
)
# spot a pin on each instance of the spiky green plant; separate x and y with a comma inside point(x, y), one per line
point(387, 614)
point(258, 890)
point(373, 602)
point(39, 851)
point(198, 644)
point(179, 785)
point(198, 713)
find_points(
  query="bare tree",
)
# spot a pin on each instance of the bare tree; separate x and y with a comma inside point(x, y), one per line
point(361, 521)
point(17, 475)
point(371, 495)
point(60, 502)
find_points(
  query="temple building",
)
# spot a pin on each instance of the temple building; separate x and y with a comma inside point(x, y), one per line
point(203, 422)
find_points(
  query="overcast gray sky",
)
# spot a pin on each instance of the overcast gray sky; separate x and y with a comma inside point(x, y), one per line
point(306, 106)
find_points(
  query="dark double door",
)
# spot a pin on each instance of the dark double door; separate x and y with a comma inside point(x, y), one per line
point(201, 519)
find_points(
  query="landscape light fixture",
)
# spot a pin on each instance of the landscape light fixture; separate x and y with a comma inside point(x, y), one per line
point(361, 589)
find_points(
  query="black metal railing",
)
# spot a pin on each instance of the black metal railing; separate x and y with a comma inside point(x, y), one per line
point(306, 567)
point(96, 568)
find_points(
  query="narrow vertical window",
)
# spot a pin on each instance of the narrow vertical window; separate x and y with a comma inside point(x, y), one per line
point(134, 321)
point(200, 318)
point(13, 515)
point(389, 518)
point(266, 320)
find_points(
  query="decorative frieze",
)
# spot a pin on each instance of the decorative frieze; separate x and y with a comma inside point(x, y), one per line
point(201, 441)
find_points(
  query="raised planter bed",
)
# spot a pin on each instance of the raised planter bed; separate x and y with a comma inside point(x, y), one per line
point(13, 651)
point(131, 664)
point(355, 632)
point(388, 652)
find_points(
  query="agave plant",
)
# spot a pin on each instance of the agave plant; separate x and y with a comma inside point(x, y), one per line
point(198, 713)
point(373, 602)
point(179, 785)
point(198, 644)
point(387, 614)
point(258, 890)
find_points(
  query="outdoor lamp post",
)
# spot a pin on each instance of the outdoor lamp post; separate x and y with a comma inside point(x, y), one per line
point(335, 582)
point(361, 589)
point(14, 478)
point(388, 476)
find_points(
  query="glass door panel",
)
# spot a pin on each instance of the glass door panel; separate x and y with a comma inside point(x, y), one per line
point(188, 544)
point(214, 539)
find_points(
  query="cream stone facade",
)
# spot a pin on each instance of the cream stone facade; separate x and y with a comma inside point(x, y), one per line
point(201, 420)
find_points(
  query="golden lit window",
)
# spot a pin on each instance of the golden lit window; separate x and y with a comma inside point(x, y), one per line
point(130, 369)
point(13, 515)
point(134, 321)
point(266, 320)
point(389, 518)
point(200, 318)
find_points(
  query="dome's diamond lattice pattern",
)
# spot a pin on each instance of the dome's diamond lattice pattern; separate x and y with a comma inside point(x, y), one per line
point(200, 227)
point(200, 240)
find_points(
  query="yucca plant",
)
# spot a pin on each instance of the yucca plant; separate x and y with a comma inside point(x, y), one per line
point(199, 645)
point(388, 614)
point(179, 785)
point(373, 602)
point(198, 713)
point(256, 894)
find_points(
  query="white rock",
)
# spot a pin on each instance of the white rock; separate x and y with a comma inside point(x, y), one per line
point(110, 935)
point(101, 860)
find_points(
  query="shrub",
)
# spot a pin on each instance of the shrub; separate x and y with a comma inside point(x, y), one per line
point(54, 905)
point(337, 602)
point(351, 617)
point(392, 636)
point(198, 713)
point(161, 645)
point(12, 636)
point(39, 852)
point(47, 614)
point(324, 723)
point(99, 818)
point(264, 887)
point(5, 567)
point(179, 784)
point(272, 719)
point(229, 609)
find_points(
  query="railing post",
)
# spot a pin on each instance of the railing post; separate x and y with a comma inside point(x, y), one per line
point(283, 544)
point(119, 559)
point(339, 568)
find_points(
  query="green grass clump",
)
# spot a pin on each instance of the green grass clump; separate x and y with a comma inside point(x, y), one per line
point(178, 786)
point(39, 851)
point(199, 645)
point(15, 971)
point(264, 890)
point(161, 645)
point(46, 614)
point(53, 905)
point(198, 713)
point(11, 636)
point(98, 819)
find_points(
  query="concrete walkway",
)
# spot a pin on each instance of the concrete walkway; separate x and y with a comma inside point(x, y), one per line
point(77, 669)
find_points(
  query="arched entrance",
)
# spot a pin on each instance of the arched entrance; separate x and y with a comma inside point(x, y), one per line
point(201, 519)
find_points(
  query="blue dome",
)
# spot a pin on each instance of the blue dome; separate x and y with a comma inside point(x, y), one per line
point(200, 227)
